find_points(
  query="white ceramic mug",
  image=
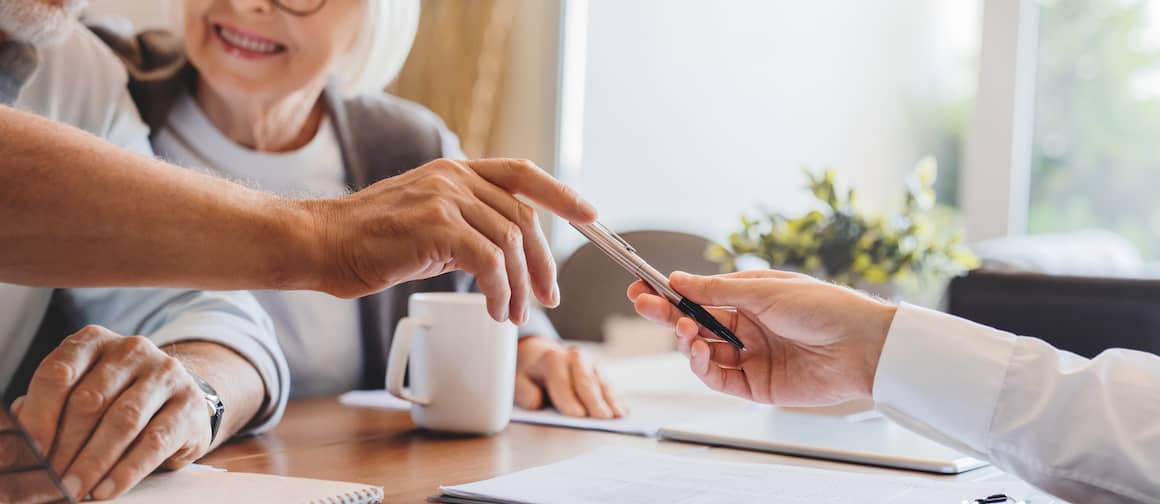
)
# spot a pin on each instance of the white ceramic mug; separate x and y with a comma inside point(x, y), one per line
point(462, 363)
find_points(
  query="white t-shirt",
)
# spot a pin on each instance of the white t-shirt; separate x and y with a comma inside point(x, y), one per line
point(320, 334)
point(78, 82)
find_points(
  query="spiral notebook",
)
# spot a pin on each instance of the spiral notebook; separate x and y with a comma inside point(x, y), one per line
point(198, 486)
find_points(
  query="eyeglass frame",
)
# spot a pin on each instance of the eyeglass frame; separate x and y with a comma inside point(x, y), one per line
point(10, 426)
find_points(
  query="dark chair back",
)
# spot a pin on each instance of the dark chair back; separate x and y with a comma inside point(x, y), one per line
point(1085, 315)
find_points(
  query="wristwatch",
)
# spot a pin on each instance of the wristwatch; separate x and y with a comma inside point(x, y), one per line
point(216, 408)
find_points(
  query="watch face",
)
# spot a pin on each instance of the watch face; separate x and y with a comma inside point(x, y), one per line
point(213, 403)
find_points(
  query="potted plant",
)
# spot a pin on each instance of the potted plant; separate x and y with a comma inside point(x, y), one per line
point(882, 255)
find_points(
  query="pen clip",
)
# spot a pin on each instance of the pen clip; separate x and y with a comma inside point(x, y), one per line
point(612, 234)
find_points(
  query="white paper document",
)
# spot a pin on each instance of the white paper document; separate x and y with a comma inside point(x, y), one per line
point(641, 421)
point(621, 475)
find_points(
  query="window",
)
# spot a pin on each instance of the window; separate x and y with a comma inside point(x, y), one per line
point(685, 114)
point(1095, 157)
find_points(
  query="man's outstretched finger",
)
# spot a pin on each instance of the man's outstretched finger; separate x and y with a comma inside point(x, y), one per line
point(537, 252)
point(521, 176)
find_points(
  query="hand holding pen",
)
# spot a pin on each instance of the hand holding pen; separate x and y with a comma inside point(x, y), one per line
point(623, 254)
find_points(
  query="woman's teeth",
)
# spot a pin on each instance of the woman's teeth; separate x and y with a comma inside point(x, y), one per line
point(248, 43)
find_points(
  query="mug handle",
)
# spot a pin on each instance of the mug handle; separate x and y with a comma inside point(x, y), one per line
point(400, 351)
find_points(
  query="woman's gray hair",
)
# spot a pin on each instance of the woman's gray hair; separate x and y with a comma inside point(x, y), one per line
point(383, 43)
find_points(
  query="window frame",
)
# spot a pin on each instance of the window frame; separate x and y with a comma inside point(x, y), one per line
point(994, 184)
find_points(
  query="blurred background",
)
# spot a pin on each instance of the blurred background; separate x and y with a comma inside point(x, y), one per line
point(682, 116)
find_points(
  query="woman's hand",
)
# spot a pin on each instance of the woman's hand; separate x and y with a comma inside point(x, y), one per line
point(806, 342)
point(547, 371)
point(110, 409)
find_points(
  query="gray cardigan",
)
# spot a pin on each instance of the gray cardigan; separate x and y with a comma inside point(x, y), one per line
point(380, 136)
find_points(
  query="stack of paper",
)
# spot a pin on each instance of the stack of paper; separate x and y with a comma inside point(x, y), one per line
point(619, 475)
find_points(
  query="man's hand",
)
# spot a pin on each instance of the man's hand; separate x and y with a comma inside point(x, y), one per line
point(109, 409)
point(806, 342)
point(444, 216)
point(566, 376)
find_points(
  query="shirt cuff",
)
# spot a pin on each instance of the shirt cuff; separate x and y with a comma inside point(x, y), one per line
point(941, 375)
point(267, 361)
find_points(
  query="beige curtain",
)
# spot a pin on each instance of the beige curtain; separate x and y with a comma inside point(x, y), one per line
point(457, 64)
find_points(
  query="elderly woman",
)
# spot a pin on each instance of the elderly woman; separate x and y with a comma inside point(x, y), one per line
point(287, 95)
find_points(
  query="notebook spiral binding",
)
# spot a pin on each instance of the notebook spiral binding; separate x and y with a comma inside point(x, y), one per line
point(363, 496)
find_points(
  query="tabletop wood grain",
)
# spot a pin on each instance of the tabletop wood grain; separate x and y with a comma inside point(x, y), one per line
point(320, 438)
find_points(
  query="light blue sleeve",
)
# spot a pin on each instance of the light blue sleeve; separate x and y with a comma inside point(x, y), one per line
point(126, 128)
point(233, 319)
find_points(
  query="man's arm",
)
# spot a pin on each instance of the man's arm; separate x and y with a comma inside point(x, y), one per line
point(1084, 430)
point(80, 212)
point(233, 377)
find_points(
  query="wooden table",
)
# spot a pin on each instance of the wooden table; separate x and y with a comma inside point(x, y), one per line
point(320, 438)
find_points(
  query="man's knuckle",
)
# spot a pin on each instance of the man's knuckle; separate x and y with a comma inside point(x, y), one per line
point(438, 165)
point(513, 238)
point(170, 367)
point(55, 373)
point(459, 168)
point(128, 416)
point(136, 345)
point(435, 212)
point(89, 333)
point(488, 256)
point(449, 170)
point(86, 400)
point(526, 214)
point(442, 183)
point(157, 438)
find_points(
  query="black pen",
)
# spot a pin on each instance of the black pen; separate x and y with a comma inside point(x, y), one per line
point(623, 254)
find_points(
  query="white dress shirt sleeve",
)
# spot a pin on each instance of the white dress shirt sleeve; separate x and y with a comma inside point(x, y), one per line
point(1086, 430)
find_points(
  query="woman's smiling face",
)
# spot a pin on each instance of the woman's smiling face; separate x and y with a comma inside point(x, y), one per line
point(253, 49)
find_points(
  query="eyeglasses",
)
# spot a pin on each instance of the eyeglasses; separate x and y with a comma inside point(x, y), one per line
point(300, 7)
